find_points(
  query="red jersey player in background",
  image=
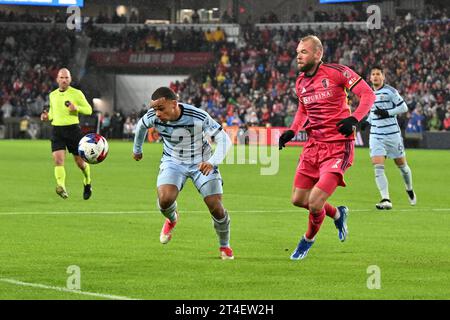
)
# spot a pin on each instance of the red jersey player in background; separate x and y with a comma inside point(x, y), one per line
point(324, 114)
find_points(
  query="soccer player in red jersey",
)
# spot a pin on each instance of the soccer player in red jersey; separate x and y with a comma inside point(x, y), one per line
point(324, 114)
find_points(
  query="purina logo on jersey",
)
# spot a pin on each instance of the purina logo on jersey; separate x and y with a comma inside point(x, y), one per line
point(325, 83)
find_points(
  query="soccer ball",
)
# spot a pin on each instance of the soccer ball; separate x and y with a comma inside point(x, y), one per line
point(93, 148)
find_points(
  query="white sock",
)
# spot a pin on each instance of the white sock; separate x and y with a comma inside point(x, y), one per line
point(381, 181)
point(407, 176)
point(222, 227)
point(169, 213)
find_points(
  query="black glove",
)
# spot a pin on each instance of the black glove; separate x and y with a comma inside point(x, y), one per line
point(347, 126)
point(285, 138)
point(363, 125)
point(383, 114)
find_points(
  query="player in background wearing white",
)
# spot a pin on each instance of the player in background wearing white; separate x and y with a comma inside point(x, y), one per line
point(385, 137)
point(187, 154)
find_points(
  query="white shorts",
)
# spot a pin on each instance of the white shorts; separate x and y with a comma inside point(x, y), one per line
point(175, 173)
point(390, 146)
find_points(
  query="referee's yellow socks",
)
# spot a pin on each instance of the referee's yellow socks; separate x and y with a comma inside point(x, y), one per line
point(87, 174)
point(60, 175)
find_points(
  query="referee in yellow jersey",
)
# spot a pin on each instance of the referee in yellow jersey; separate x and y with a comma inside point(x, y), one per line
point(65, 105)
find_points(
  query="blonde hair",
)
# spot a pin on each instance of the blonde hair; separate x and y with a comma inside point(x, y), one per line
point(317, 43)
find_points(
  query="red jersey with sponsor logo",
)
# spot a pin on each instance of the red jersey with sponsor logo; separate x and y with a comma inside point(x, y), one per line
point(323, 101)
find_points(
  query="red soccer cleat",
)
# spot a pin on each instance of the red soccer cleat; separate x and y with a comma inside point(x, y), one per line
point(166, 231)
point(226, 253)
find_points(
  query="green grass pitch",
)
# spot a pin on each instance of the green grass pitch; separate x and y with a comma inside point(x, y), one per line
point(114, 237)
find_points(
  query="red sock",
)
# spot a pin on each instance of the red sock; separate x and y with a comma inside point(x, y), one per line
point(314, 223)
point(330, 210)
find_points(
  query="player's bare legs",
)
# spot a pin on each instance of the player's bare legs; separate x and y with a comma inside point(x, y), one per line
point(300, 197)
point(382, 183)
point(221, 222)
point(60, 173)
point(59, 157)
point(214, 203)
point(167, 196)
point(407, 178)
point(86, 170)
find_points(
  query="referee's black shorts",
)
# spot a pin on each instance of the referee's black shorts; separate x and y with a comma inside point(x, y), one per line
point(66, 136)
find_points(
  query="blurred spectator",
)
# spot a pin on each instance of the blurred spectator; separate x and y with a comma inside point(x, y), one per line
point(129, 128)
point(195, 17)
point(106, 126)
point(416, 121)
point(117, 124)
point(226, 18)
point(434, 123)
point(447, 122)
point(218, 35)
point(23, 127)
point(133, 17)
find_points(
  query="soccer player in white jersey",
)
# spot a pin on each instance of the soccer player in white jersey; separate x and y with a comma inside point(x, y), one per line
point(187, 154)
point(385, 137)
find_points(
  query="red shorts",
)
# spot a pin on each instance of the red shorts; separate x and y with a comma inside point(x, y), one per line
point(318, 158)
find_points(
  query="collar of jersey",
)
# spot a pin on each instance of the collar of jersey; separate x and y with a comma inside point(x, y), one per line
point(64, 90)
point(181, 113)
point(315, 71)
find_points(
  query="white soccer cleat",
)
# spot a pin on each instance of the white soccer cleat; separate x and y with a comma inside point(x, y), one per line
point(385, 204)
point(411, 197)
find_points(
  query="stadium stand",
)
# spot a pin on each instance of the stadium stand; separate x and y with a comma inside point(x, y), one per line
point(28, 67)
point(260, 74)
point(251, 81)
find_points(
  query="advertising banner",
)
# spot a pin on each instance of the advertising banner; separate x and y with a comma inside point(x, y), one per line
point(160, 59)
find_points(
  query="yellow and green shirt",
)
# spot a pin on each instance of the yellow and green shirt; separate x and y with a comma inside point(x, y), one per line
point(59, 114)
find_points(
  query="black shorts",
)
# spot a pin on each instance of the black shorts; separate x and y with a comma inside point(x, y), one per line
point(66, 136)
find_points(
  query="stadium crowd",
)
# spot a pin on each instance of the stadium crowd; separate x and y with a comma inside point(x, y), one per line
point(252, 81)
point(149, 39)
point(28, 67)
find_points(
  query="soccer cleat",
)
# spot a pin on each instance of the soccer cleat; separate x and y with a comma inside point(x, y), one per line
point(61, 191)
point(166, 231)
point(385, 204)
point(87, 191)
point(341, 223)
point(226, 253)
point(412, 197)
point(302, 249)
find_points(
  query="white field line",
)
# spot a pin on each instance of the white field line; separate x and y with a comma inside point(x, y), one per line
point(62, 289)
point(7, 213)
